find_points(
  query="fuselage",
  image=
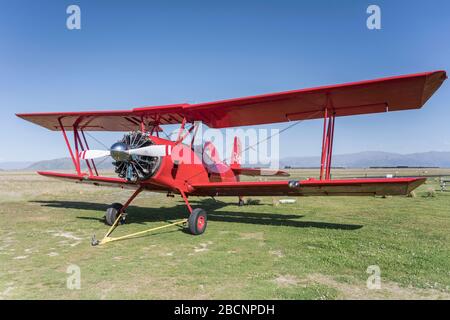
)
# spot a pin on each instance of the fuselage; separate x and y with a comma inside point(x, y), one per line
point(185, 167)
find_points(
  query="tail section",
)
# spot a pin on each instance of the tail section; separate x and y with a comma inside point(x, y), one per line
point(235, 164)
point(235, 160)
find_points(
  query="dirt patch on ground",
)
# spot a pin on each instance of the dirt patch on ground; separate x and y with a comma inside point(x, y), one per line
point(286, 280)
point(203, 247)
point(252, 235)
point(154, 288)
point(67, 235)
point(277, 253)
point(6, 293)
point(356, 289)
point(20, 257)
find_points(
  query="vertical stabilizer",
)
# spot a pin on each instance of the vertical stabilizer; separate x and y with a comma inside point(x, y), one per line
point(235, 161)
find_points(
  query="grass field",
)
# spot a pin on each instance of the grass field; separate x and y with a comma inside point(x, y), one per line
point(317, 248)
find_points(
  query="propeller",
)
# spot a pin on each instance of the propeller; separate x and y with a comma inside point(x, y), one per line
point(120, 152)
point(136, 157)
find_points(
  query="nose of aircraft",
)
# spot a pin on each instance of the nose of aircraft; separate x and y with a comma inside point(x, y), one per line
point(117, 151)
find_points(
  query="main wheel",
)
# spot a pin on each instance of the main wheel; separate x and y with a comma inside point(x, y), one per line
point(112, 212)
point(197, 221)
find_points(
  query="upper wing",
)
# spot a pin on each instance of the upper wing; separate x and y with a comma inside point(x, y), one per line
point(312, 187)
point(373, 96)
point(119, 120)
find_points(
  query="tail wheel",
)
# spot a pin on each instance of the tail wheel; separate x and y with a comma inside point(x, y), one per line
point(197, 221)
point(112, 213)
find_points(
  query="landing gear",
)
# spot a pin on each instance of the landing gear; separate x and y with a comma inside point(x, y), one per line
point(241, 202)
point(113, 212)
point(197, 221)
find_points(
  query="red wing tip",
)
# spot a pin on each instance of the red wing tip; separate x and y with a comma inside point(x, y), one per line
point(414, 184)
point(44, 173)
point(443, 74)
point(59, 174)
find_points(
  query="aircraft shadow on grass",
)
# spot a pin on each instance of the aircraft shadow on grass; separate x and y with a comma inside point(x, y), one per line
point(142, 215)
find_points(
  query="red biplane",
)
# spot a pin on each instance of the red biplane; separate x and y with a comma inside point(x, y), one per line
point(142, 160)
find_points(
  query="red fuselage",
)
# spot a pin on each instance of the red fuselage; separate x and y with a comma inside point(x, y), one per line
point(185, 167)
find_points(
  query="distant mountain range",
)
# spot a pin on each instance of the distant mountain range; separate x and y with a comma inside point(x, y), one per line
point(65, 164)
point(55, 164)
point(14, 165)
point(352, 160)
point(375, 159)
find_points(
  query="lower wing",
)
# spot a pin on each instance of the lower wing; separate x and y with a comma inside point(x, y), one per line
point(311, 187)
point(100, 181)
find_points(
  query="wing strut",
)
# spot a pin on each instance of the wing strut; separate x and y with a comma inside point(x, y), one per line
point(79, 146)
point(329, 118)
point(87, 148)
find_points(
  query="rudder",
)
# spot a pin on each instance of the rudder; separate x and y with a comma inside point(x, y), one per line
point(235, 161)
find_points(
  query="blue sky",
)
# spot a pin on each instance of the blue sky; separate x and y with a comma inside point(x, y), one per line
point(137, 53)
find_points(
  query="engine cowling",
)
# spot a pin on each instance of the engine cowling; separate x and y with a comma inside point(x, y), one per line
point(134, 167)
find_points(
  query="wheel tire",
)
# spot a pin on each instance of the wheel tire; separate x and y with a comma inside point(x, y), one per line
point(197, 221)
point(241, 203)
point(112, 212)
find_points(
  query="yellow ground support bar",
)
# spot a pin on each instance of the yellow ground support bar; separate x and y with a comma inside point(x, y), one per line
point(107, 237)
